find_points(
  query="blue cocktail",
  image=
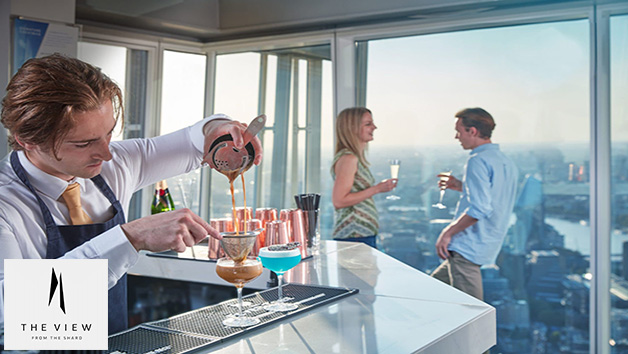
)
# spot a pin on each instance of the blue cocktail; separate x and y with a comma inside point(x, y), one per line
point(279, 259)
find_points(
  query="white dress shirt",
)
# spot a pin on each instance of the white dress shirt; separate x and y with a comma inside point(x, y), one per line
point(136, 163)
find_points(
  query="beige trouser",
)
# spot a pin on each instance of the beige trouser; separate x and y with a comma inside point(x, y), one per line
point(461, 274)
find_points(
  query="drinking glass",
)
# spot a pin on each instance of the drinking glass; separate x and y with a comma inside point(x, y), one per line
point(394, 173)
point(444, 177)
point(279, 259)
point(238, 269)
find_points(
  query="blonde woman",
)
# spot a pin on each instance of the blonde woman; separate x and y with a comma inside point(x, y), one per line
point(356, 217)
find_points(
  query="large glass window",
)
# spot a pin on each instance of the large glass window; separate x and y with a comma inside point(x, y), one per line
point(128, 67)
point(293, 88)
point(182, 105)
point(619, 186)
point(534, 80)
point(112, 61)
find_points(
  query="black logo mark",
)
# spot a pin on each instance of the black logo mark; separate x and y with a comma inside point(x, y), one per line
point(53, 288)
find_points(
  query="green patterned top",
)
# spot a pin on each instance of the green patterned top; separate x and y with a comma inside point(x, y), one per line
point(358, 220)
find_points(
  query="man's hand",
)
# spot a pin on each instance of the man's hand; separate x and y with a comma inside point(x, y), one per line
point(218, 127)
point(442, 243)
point(174, 230)
point(450, 183)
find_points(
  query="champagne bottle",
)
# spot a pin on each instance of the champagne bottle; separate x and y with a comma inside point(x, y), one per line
point(162, 201)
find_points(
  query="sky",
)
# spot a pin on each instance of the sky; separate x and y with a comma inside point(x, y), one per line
point(534, 80)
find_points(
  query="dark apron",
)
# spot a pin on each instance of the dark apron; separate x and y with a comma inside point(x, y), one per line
point(62, 239)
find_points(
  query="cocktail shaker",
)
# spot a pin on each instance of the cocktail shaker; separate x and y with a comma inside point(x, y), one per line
point(241, 214)
point(265, 215)
point(276, 233)
point(296, 228)
point(224, 157)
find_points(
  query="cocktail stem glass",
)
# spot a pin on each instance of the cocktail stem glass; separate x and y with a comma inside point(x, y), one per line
point(442, 194)
point(280, 284)
point(239, 290)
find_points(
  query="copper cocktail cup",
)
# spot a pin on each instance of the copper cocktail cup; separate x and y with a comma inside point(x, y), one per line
point(296, 227)
point(276, 233)
point(214, 251)
point(242, 211)
point(253, 225)
point(265, 215)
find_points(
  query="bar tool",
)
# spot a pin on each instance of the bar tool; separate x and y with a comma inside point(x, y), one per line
point(224, 157)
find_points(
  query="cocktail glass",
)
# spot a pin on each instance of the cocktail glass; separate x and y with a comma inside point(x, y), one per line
point(238, 269)
point(394, 173)
point(279, 259)
point(443, 177)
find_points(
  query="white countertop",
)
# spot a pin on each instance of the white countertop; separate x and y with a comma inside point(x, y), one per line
point(398, 309)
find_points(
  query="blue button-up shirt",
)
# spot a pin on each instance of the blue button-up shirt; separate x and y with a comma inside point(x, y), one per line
point(489, 187)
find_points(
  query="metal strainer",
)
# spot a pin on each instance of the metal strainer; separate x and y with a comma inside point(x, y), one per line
point(224, 157)
point(237, 246)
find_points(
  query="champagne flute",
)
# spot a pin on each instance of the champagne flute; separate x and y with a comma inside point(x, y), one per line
point(394, 173)
point(443, 177)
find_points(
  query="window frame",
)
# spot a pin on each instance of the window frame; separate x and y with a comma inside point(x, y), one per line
point(344, 78)
point(267, 44)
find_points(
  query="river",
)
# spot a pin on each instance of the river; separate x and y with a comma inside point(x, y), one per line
point(578, 236)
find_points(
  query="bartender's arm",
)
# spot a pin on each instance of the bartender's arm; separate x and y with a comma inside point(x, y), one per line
point(182, 228)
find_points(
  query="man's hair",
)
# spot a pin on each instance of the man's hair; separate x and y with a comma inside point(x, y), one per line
point(45, 93)
point(479, 119)
point(348, 130)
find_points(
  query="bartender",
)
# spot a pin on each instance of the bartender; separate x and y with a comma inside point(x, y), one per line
point(65, 189)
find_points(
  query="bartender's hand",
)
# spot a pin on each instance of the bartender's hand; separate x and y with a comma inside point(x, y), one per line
point(174, 230)
point(451, 183)
point(218, 127)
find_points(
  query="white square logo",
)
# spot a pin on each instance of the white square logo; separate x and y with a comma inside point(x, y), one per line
point(55, 304)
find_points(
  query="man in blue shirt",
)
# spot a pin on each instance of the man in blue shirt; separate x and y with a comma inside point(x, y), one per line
point(488, 187)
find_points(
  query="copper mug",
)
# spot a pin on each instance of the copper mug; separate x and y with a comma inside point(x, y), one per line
point(296, 227)
point(265, 215)
point(214, 251)
point(276, 233)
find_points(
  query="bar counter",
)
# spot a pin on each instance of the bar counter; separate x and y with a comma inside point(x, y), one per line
point(398, 309)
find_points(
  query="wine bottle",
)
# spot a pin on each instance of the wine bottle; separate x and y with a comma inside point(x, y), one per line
point(162, 201)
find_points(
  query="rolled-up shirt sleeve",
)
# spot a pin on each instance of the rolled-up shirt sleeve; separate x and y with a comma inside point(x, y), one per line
point(112, 245)
point(478, 186)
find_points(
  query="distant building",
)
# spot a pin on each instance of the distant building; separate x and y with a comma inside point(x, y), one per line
point(546, 275)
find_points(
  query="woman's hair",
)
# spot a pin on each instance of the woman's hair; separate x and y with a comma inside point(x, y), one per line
point(348, 130)
point(478, 118)
point(45, 93)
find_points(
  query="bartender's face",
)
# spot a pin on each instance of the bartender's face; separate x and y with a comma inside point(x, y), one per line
point(84, 148)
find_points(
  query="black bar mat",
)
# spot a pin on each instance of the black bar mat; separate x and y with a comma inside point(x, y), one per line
point(204, 326)
point(141, 339)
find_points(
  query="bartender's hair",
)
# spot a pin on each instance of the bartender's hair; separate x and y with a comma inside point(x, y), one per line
point(479, 119)
point(348, 130)
point(45, 93)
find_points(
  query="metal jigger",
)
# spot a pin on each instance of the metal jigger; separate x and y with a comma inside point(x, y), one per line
point(237, 246)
